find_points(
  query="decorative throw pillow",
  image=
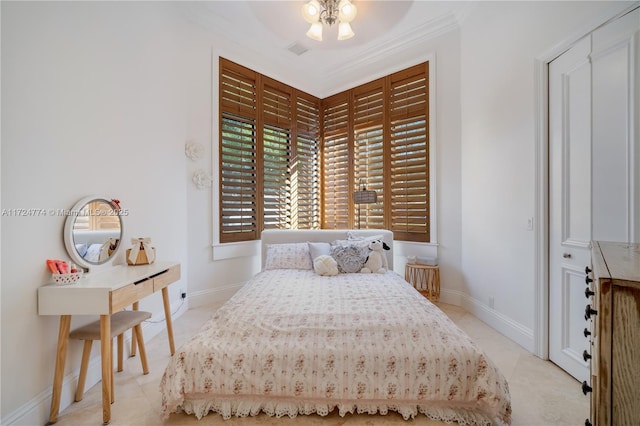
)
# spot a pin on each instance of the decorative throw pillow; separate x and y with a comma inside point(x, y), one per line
point(350, 258)
point(325, 265)
point(288, 256)
point(318, 249)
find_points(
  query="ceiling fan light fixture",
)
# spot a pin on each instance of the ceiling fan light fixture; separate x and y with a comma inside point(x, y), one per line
point(345, 31)
point(315, 31)
point(311, 11)
point(319, 12)
point(347, 11)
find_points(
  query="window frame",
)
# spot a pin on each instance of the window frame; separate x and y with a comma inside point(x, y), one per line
point(351, 221)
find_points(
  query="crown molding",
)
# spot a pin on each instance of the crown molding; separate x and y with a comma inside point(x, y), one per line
point(409, 40)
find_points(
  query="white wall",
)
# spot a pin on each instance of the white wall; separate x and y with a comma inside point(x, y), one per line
point(500, 41)
point(93, 102)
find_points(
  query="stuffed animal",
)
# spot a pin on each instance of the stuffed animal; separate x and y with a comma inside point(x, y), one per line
point(325, 265)
point(377, 259)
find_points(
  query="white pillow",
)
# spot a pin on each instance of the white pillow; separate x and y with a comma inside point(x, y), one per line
point(319, 249)
point(288, 256)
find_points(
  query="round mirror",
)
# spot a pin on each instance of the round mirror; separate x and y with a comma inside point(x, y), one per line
point(93, 231)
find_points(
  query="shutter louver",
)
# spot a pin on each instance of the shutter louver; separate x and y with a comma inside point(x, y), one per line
point(410, 154)
point(276, 104)
point(238, 165)
point(369, 151)
point(276, 146)
point(306, 172)
point(237, 90)
point(335, 165)
point(277, 189)
point(237, 179)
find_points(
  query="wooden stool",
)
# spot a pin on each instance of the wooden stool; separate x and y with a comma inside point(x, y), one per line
point(425, 279)
point(120, 322)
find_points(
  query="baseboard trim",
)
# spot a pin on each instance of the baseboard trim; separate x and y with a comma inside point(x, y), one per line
point(36, 411)
point(503, 324)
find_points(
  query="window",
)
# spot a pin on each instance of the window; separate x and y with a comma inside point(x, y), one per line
point(290, 160)
point(269, 155)
point(376, 135)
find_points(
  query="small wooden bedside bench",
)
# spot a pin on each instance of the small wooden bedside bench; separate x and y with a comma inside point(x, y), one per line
point(425, 279)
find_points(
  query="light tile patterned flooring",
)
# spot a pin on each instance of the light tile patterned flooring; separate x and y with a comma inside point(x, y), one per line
point(541, 393)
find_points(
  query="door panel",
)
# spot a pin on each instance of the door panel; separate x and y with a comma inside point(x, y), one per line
point(594, 171)
point(569, 204)
point(614, 56)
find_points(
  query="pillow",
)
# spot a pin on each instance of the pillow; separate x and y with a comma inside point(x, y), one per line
point(348, 243)
point(351, 236)
point(318, 249)
point(325, 265)
point(350, 257)
point(82, 249)
point(288, 256)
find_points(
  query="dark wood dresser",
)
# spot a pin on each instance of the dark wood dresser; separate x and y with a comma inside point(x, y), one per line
point(613, 314)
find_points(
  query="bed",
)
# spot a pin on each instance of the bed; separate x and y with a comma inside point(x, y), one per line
point(293, 342)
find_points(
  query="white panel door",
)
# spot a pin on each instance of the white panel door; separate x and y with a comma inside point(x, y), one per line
point(594, 171)
point(569, 205)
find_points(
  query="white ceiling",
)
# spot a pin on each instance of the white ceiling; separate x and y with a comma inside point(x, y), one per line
point(388, 33)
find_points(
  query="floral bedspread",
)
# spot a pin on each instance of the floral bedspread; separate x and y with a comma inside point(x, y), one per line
point(293, 342)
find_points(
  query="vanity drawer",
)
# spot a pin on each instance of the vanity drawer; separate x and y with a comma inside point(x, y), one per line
point(167, 277)
point(125, 296)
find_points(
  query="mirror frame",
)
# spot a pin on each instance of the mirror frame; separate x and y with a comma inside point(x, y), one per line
point(68, 234)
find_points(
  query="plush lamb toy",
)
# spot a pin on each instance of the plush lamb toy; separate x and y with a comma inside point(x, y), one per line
point(377, 259)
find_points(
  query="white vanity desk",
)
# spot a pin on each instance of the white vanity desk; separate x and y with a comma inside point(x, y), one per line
point(103, 292)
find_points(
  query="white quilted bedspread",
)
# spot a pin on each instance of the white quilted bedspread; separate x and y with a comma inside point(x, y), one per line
point(292, 342)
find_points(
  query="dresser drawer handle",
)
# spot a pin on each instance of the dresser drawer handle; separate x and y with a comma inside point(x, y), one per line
point(586, 388)
point(588, 312)
point(586, 356)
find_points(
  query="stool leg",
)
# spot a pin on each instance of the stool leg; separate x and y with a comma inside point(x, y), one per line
point(120, 350)
point(113, 393)
point(133, 337)
point(86, 354)
point(143, 352)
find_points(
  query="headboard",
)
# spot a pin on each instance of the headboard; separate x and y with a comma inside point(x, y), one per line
point(281, 236)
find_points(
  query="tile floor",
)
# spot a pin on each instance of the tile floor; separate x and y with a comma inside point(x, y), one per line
point(541, 393)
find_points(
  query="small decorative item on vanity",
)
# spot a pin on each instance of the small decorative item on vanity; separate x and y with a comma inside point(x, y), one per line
point(63, 273)
point(141, 253)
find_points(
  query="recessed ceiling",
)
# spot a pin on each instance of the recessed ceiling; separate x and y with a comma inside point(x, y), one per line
point(264, 31)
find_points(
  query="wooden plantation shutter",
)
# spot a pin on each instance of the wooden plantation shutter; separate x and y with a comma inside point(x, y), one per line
point(336, 169)
point(238, 165)
point(409, 143)
point(368, 151)
point(276, 146)
point(305, 180)
point(290, 160)
point(269, 155)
